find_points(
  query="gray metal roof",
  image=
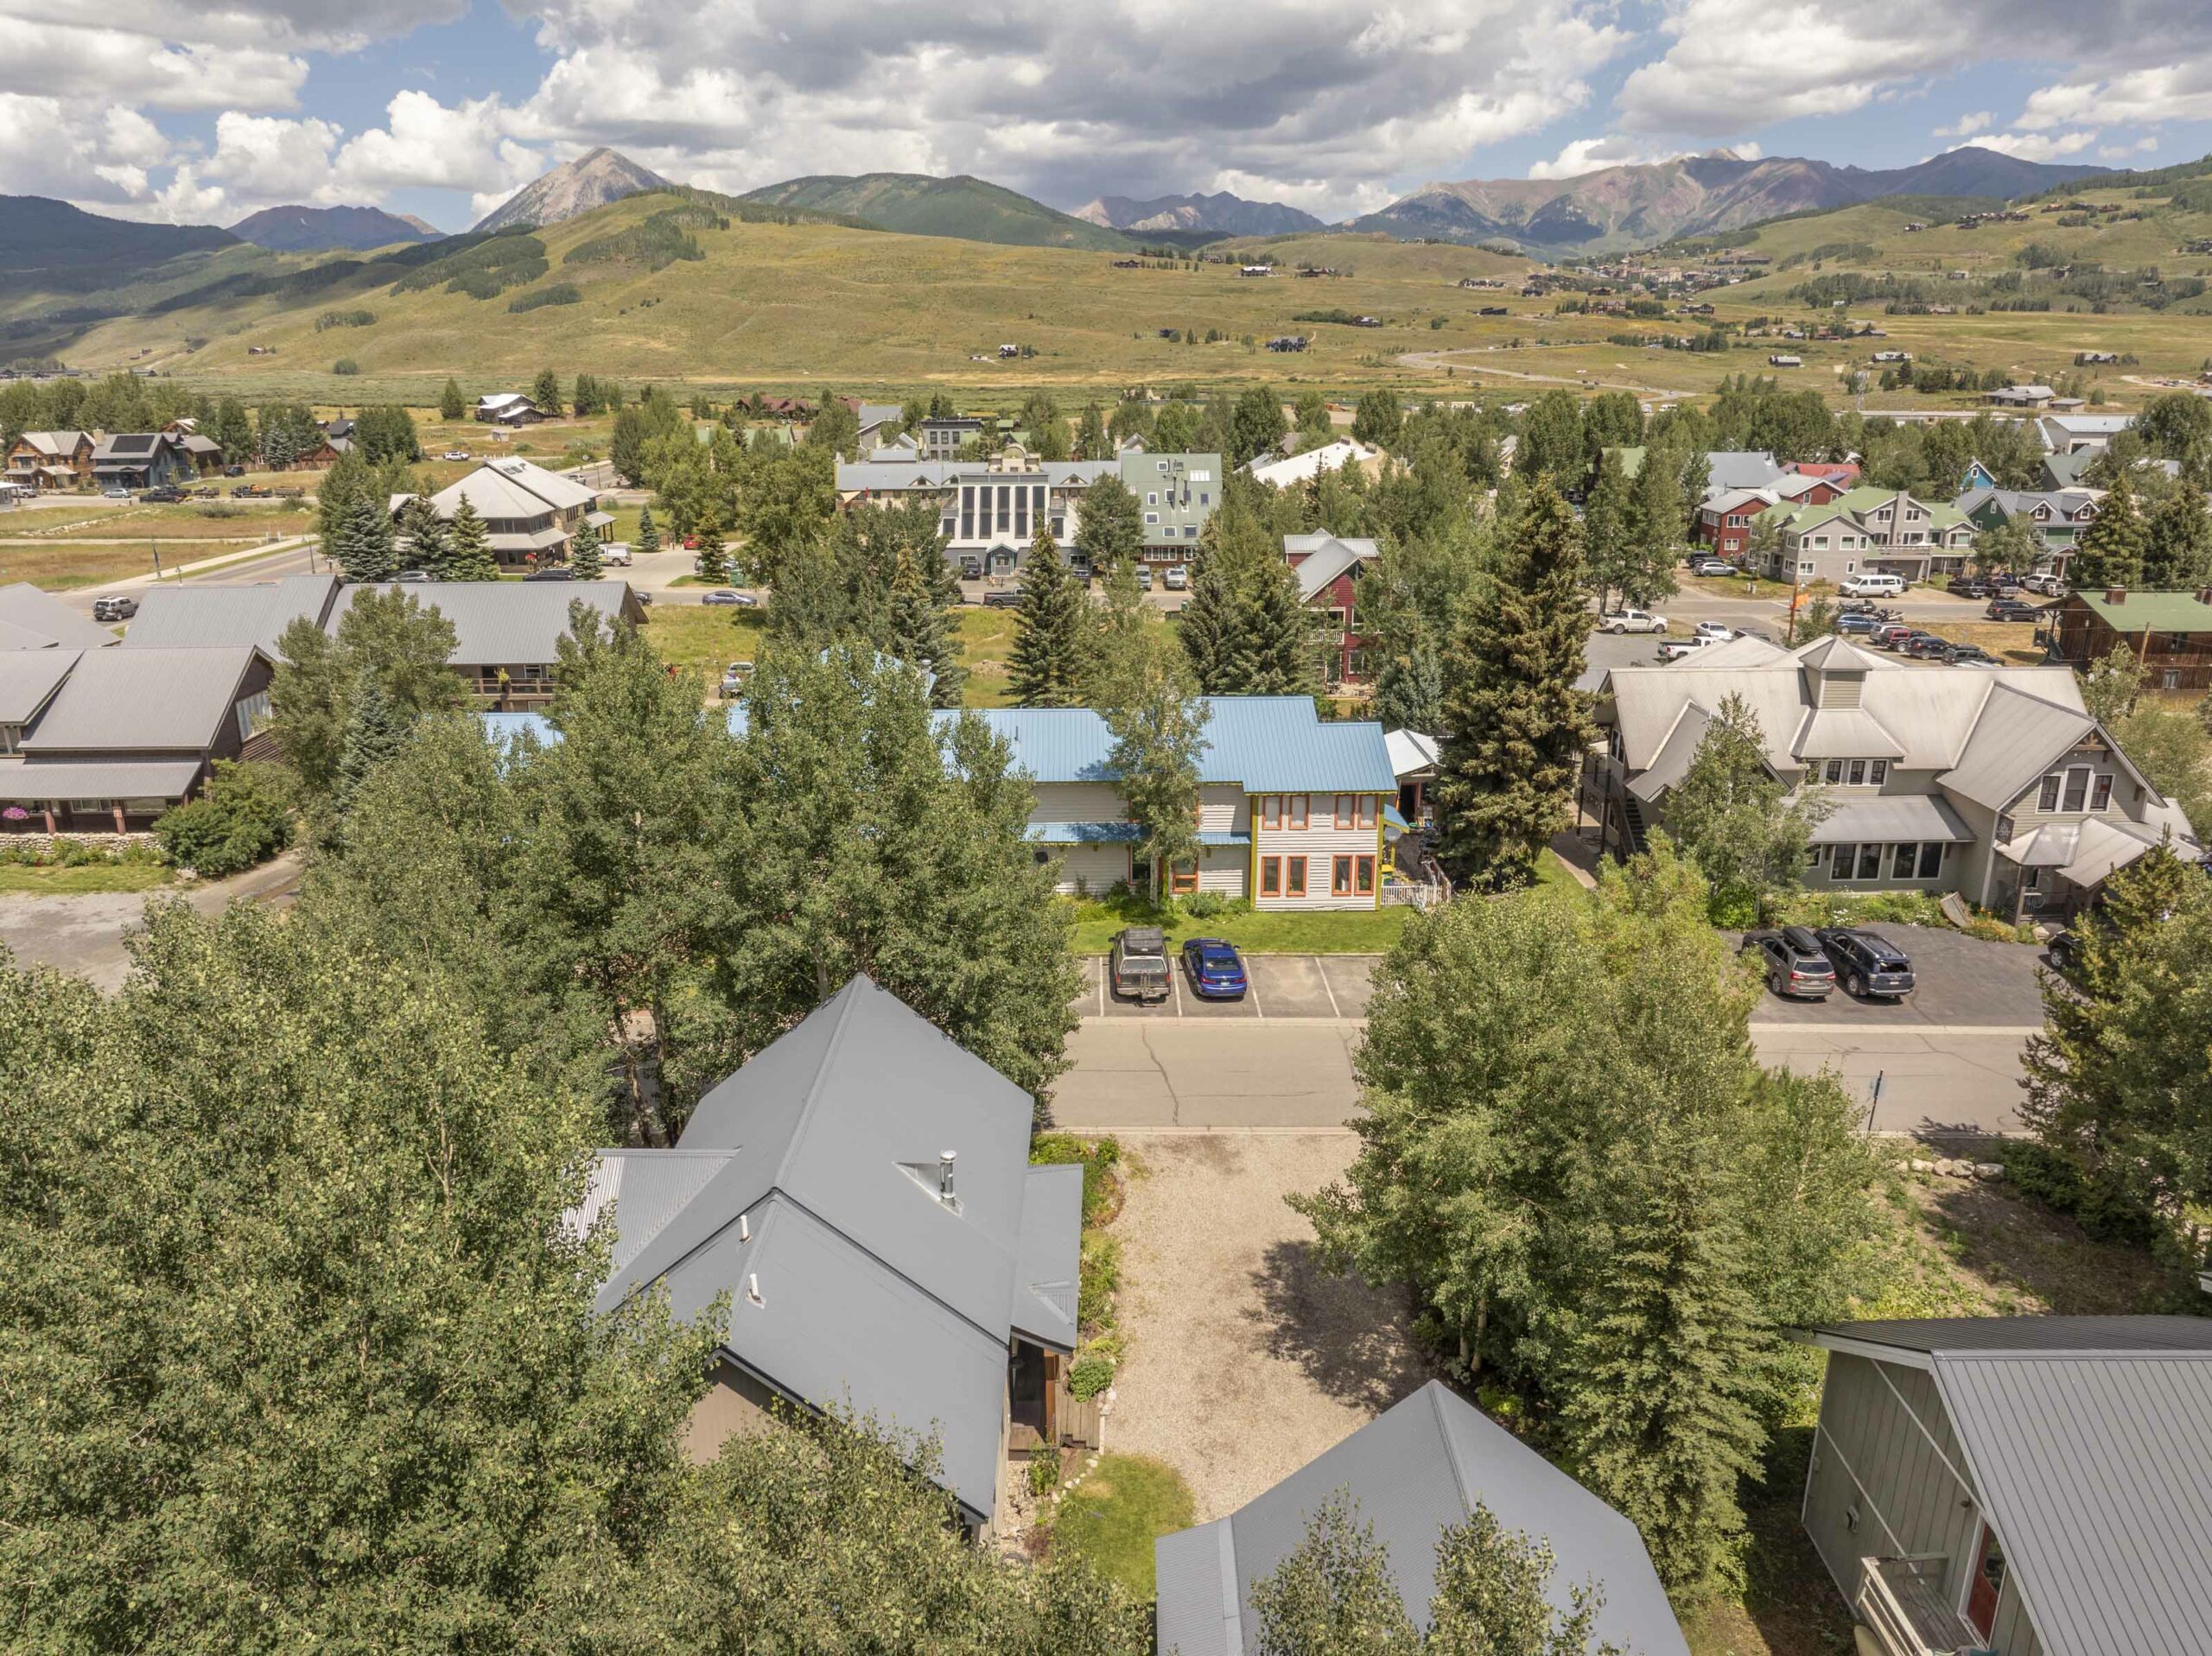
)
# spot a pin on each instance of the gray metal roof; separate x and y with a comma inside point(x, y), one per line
point(2096, 1472)
point(2044, 1335)
point(142, 700)
point(2013, 743)
point(28, 782)
point(1419, 1467)
point(1326, 558)
point(1890, 817)
point(199, 617)
point(1672, 762)
point(31, 619)
point(815, 1181)
point(505, 623)
point(27, 677)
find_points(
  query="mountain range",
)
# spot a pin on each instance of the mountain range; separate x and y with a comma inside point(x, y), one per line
point(1641, 205)
point(1229, 215)
point(591, 180)
point(918, 204)
point(303, 230)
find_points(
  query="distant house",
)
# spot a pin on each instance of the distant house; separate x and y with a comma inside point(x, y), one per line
point(2069, 434)
point(507, 634)
point(1294, 469)
point(1785, 360)
point(1842, 474)
point(1420, 1468)
point(2059, 517)
point(1723, 522)
point(859, 1197)
point(506, 409)
point(205, 454)
point(991, 512)
point(127, 734)
point(2020, 396)
point(1737, 468)
point(945, 436)
point(40, 461)
point(532, 514)
point(1871, 530)
point(2168, 633)
point(1978, 477)
point(1287, 342)
point(140, 460)
point(1328, 568)
point(875, 418)
point(2018, 1485)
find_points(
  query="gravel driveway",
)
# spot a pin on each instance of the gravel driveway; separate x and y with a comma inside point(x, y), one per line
point(1244, 1361)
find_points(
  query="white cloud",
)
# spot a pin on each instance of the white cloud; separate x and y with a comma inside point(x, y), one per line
point(60, 60)
point(2038, 146)
point(2174, 92)
point(1967, 125)
point(1594, 154)
point(2125, 152)
point(427, 144)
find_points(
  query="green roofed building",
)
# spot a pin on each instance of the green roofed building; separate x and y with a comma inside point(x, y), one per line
point(1872, 531)
point(2171, 633)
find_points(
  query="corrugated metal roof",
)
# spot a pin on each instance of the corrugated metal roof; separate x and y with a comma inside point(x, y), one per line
point(512, 488)
point(199, 617)
point(1890, 817)
point(39, 620)
point(1410, 751)
point(1844, 733)
point(504, 623)
point(1420, 1466)
point(1326, 556)
point(1270, 743)
point(27, 782)
point(1929, 1334)
point(2096, 1472)
point(2013, 742)
point(27, 677)
point(141, 700)
point(1672, 762)
point(1049, 1257)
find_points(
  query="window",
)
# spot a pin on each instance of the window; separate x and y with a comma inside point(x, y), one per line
point(1902, 860)
point(1183, 878)
point(1294, 876)
point(1878, 772)
point(1190, 531)
point(2047, 800)
point(2005, 830)
point(1152, 517)
point(1347, 811)
point(1364, 876)
point(1293, 813)
point(2100, 792)
point(1370, 809)
point(1340, 877)
point(1858, 773)
point(1271, 876)
point(2077, 788)
point(1931, 859)
point(1840, 861)
point(1152, 498)
point(253, 713)
point(1834, 772)
point(1870, 862)
point(1270, 810)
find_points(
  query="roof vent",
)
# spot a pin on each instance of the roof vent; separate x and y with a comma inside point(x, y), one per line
point(2115, 595)
point(2204, 594)
point(752, 1287)
point(745, 1228)
point(945, 1176)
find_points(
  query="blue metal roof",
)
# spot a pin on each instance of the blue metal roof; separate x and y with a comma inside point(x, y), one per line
point(1222, 836)
point(1085, 833)
point(1269, 744)
point(504, 727)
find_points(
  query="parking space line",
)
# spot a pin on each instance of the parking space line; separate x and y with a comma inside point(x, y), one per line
point(1100, 966)
point(1252, 993)
point(1175, 983)
point(1321, 970)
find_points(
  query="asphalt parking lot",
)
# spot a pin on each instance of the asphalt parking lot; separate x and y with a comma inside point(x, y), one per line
point(1960, 982)
point(1331, 987)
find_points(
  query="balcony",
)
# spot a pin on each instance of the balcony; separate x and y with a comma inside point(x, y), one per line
point(1904, 1602)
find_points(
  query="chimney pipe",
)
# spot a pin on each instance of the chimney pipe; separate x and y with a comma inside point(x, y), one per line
point(2204, 594)
point(944, 1176)
point(2115, 595)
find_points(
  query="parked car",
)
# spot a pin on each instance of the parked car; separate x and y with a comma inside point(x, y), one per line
point(1137, 967)
point(2011, 609)
point(1177, 578)
point(1966, 654)
point(454, 454)
point(1888, 631)
point(1712, 631)
point(1897, 642)
point(1872, 585)
point(1926, 646)
point(734, 677)
point(1794, 961)
point(167, 495)
point(117, 608)
point(1144, 577)
point(1214, 968)
point(234, 471)
point(1080, 568)
point(1711, 567)
point(971, 568)
point(250, 492)
point(2049, 584)
point(118, 493)
point(412, 575)
point(2065, 950)
point(557, 572)
point(724, 595)
point(1866, 963)
point(1861, 625)
point(690, 543)
point(616, 553)
point(1632, 620)
point(1676, 649)
point(1005, 599)
point(1969, 587)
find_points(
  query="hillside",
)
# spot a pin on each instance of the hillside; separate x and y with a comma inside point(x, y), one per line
point(308, 229)
point(1229, 215)
point(41, 235)
point(967, 208)
point(591, 180)
point(1621, 208)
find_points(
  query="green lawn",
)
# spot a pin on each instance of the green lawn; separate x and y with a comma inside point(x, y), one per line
point(1272, 931)
point(52, 880)
point(703, 640)
point(1111, 1518)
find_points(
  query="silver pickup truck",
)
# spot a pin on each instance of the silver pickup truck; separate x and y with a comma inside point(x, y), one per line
point(1138, 969)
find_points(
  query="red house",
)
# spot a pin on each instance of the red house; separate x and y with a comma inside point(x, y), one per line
point(1724, 522)
point(1842, 474)
point(1327, 567)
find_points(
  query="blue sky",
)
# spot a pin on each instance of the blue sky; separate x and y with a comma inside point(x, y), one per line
point(201, 110)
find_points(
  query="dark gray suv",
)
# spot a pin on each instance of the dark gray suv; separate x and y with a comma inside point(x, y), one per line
point(1866, 963)
point(1794, 963)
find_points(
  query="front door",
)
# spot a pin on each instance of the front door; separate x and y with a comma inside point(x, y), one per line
point(1988, 1582)
point(1001, 561)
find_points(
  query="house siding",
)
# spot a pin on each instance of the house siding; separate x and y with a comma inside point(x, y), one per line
point(1077, 802)
point(1320, 842)
point(1089, 870)
point(735, 1405)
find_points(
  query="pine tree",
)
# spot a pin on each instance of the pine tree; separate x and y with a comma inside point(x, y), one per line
point(546, 393)
point(346, 482)
point(2178, 556)
point(713, 563)
point(1046, 669)
point(366, 551)
point(922, 637)
point(1109, 524)
point(2113, 547)
point(1515, 724)
point(429, 542)
point(373, 735)
point(1409, 690)
point(1658, 520)
point(1608, 528)
point(585, 562)
point(471, 557)
point(451, 404)
point(648, 533)
point(1245, 629)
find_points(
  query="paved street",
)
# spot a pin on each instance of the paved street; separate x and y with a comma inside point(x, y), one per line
point(1948, 1060)
point(85, 934)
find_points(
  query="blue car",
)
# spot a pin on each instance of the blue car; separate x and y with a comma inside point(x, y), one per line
point(1856, 623)
point(1216, 972)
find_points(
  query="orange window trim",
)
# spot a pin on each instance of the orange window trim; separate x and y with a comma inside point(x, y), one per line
point(1347, 811)
point(1271, 876)
point(1340, 877)
point(1294, 810)
point(1294, 882)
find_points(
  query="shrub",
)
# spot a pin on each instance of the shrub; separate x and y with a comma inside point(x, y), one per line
point(76, 854)
point(1043, 1472)
point(345, 366)
point(1205, 905)
point(243, 816)
point(1100, 1158)
point(331, 319)
point(1089, 1375)
point(2055, 1179)
point(561, 293)
point(1098, 1277)
point(1732, 908)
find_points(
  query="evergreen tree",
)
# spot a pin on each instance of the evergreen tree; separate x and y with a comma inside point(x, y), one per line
point(1658, 523)
point(452, 405)
point(1736, 820)
point(1245, 629)
point(585, 562)
point(365, 548)
point(546, 393)
point(373, 734)
point(921, 633)
point(348, 480)
point(471, 557)
point(233, 430)
point(429, 540)
point(2113, 547)
point(1551, 441)
point(1378, 419)
point(2177, 553)
point(648, 533)
point(1046, 667)
point(1109, 524)
point(1256, 425)
point(712, 563)
point(1409, 689)
point(1514, 724)
point(1609, 530)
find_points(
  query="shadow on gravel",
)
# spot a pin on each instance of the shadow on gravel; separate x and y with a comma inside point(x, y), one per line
point(1348, 1338)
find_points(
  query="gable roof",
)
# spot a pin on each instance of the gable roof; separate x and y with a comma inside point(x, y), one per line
point(2014, 741)
point(1269, 744)
point(1326, 556)
point(1419, 1468)
point(142, 700)
point(1739, 468)
point(503, 623)
point(29, 679)
point(872, 1292)
point(32, 619)
point(201, 617)
point(512, 488)
point(2151, 612)
point(61, 445)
